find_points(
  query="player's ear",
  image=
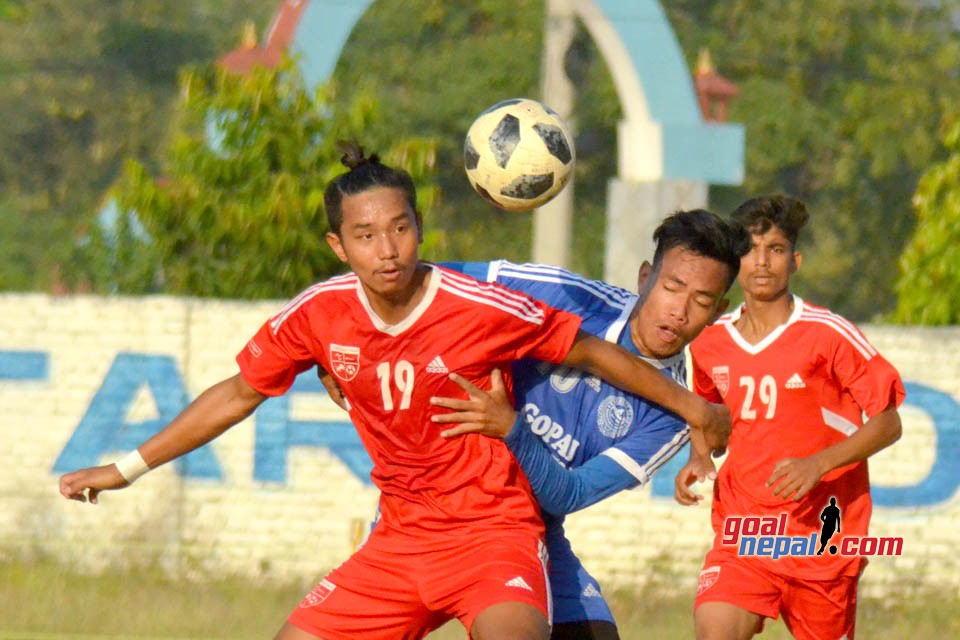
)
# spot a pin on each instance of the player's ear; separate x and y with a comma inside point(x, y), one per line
point(337, 245)
point(797, 260)
point(643, 275)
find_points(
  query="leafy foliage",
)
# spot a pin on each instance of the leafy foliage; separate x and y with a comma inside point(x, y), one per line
point(83, 85)
point(929, 283)
point(238, 211)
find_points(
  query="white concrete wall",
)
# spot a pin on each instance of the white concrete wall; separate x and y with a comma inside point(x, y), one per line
point(68, 364)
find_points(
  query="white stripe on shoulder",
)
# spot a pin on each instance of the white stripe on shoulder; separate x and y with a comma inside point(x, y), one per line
point(495, 291)
point(490, 296)
point(614, 296)
point(339, 283)
point(847, 331)
point(850, 328)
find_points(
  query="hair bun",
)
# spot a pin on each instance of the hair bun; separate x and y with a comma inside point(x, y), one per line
point(353, 157)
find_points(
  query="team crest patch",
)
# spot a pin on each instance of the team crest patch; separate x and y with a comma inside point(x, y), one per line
point(614, 416)
point(320, 593)
point(721, 378)
point(708, 578)
point(345, 361)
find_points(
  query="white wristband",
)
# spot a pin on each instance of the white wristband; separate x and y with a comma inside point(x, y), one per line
point(132, 466)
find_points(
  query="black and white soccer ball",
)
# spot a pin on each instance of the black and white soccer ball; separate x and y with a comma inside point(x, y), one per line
point(518, 154)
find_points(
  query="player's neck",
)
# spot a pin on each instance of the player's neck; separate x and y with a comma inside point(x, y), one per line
point(393, 308)
point(760, 318)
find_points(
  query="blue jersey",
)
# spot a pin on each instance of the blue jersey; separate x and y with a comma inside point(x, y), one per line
point(604, 440)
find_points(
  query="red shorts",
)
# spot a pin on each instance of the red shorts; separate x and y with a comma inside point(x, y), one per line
point(386, 590)
point(811, 609)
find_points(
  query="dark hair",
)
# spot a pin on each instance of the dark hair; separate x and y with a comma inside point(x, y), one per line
point(705, 234)
point(758, 215)
point(364, 173)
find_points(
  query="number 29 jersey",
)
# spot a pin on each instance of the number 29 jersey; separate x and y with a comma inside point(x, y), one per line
point(803, 388)
point(388, 373)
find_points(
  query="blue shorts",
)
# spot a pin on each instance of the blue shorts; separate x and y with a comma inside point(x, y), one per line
point(576, 594)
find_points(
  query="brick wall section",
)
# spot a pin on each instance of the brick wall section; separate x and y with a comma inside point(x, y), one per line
point(297, 529)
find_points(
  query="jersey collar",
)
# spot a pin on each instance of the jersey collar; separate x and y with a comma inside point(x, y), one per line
point(773, 335)
point(396, 329)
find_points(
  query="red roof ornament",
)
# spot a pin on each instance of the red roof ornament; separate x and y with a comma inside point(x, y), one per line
point(713, 90)
point(279, 38)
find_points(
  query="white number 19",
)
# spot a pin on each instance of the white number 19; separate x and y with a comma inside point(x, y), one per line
point(402, 378)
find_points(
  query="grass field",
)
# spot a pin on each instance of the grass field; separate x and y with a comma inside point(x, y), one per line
point(42, 601)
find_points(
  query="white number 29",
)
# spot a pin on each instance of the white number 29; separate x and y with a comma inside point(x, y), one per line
point(402, 378)
point(767, 395)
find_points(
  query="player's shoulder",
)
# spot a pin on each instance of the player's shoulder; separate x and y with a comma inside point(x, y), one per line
point(546, 273)
point(830, 327)
point(333, 287)
point(487, 296)
point(316, 296)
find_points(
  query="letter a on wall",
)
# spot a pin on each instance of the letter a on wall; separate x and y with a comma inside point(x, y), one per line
point(107, 429)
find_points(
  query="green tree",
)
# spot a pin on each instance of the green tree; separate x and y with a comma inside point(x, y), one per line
point(238, 210)
point(12, 10)
point(929, 283)
point(841, 100)
point(83, 85)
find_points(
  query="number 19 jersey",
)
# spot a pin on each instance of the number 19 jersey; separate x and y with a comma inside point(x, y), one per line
point(388, 373)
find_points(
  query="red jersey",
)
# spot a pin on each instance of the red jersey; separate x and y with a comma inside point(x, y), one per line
point(803, 388)
point(388, 373)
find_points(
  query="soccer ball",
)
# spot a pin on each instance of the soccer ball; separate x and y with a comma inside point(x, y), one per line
point(518, 154)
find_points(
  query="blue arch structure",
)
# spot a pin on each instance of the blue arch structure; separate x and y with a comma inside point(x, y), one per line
point(651, 76)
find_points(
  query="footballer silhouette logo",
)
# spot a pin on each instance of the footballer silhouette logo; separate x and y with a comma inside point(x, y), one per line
point(830, 517)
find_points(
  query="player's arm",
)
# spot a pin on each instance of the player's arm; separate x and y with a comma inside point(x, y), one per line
point(558, 490)
point(210, 414)
point(793, 478)
point(620, 368)
point(876, 387)
point(699, 466)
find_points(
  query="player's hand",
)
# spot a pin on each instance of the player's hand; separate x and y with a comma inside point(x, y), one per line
point(697, 469)
point(715, 425)
point(489, 413)
point(793, 478)
point(333, 389)
point(84, 485)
